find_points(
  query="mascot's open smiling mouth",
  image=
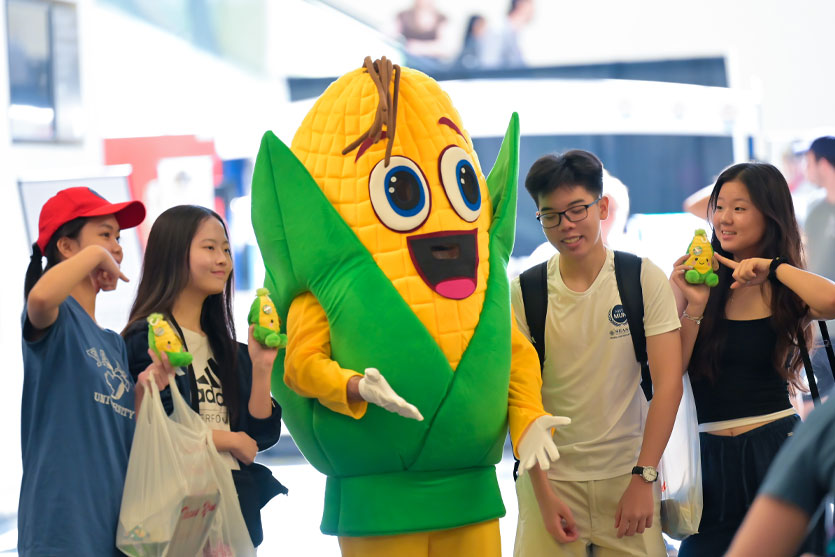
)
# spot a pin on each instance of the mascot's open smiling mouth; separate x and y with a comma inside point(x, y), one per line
point(446, 261)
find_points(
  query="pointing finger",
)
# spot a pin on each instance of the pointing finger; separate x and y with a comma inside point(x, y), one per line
point(730, 263)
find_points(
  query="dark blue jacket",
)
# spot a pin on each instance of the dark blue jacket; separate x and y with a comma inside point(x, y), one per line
point(255, 483)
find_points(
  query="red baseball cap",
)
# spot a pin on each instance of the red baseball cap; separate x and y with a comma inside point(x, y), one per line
point(72, 203)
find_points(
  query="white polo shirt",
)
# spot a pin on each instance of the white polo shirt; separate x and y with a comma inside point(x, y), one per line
point(590, 372)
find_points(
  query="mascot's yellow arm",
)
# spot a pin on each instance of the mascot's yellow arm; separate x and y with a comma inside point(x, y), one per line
point(524, 399)
point(308, 367)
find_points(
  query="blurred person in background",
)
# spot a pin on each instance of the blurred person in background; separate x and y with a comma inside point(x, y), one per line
point(820, 245)
point(502, 48)
point(820, 223)
point(804, 193)
point(472, 51)
point(424, 31)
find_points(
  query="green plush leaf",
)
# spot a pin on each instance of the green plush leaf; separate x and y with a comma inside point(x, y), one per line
point(502, 185)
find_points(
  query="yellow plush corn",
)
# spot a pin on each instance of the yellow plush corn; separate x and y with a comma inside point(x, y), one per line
point(162, 338)
point(263, 315)
point(702, 260)
point(428, 141)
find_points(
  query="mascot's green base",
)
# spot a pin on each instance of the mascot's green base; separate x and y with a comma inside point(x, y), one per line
point(436, 498)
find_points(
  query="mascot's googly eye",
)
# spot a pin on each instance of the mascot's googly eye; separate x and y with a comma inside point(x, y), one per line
point(460, 182)
point(399, 194)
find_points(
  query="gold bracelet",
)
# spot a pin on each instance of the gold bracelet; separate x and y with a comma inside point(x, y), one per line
point(696, 320)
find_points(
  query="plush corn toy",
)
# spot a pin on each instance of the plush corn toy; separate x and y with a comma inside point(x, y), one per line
point(263, 315)
point(702, 260)
point(163, 338)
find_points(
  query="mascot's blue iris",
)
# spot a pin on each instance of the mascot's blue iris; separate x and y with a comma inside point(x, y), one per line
point(468, 184)
point(404, 191)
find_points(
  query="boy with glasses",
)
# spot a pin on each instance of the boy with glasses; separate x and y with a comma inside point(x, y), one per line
point(601, 496)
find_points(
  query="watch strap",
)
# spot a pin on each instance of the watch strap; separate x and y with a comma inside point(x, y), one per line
point(639, 471)
point(772, 267)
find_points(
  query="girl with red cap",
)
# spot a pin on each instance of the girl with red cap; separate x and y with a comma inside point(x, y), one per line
point(79, 402)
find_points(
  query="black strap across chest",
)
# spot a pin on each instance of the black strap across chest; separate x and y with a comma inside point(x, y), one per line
point(534, 286)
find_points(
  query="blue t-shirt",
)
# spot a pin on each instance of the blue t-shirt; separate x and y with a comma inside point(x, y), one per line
point(77, 423)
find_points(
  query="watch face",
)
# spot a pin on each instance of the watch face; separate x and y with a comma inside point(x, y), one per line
point(649, 474)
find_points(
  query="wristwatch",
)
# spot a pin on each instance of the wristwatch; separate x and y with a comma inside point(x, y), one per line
point(772, 268)
point(648, 473)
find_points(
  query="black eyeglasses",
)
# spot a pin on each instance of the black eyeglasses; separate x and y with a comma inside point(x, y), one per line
point(573, 214)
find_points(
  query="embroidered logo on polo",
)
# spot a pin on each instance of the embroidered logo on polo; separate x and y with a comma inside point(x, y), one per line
point(117, 383)
point(617, 318)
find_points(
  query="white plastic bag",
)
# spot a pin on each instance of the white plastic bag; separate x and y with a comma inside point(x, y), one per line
point(681, 472)
point(228, 535)
point(179, 498)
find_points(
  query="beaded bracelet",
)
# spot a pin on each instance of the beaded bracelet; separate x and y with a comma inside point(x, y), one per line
point(696, 320)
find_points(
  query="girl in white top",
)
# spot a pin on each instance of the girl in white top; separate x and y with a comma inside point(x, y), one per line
point(187, 275)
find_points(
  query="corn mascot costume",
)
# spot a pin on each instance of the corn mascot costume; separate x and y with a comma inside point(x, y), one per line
point(385, 251)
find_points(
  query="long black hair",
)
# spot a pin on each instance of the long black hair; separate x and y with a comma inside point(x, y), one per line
point(35, 270)
point(769, 193)
point(165, 274)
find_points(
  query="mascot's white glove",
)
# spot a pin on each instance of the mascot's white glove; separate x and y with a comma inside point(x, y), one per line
point(537, 443)
point(374, 388)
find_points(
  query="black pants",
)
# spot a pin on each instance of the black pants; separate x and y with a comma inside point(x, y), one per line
point(732, 470)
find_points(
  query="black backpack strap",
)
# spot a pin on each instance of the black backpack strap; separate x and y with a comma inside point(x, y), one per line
point(810, 373)
point(827, 344)
point(628, 277)
point(807, 362)
point(534, 286)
